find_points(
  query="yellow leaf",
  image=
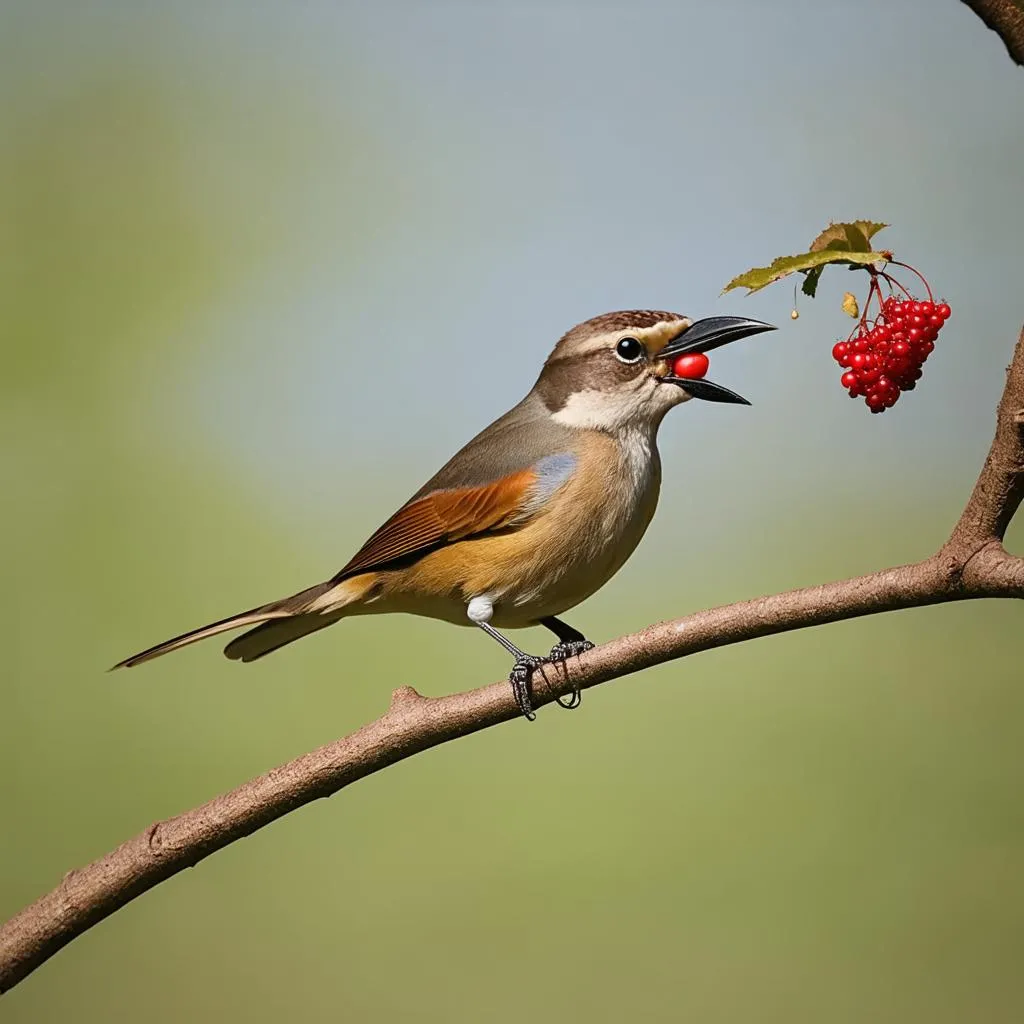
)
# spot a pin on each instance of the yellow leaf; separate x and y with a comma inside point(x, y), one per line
point(850, 307)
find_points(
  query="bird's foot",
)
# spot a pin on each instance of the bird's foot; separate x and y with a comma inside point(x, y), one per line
point(562, 651)
point(519, 679)
point(566, 649)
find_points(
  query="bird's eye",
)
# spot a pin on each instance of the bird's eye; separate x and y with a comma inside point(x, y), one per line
point(629, 350)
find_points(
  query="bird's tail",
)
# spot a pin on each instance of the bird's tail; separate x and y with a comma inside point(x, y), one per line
point(277, 623)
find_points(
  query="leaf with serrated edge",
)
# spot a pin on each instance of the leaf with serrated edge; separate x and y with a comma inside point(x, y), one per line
point(760, 277)
point(854, 236)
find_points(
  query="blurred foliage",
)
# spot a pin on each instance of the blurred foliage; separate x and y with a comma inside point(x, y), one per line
point(820, 826)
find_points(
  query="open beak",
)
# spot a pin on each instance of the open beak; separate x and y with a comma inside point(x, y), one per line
point(703, 336)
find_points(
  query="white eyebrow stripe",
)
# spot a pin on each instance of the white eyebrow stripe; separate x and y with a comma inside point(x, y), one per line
point(655, 336)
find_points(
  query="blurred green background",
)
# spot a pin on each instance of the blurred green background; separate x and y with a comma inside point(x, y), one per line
point(264, 267)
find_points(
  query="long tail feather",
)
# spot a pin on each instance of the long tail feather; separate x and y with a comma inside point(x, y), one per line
point(296, 606)
point(270, 636)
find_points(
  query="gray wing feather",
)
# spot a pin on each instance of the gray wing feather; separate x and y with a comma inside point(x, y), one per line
point(519, 439)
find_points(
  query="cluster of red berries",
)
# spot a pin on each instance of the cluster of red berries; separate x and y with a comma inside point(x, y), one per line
point(885, 359)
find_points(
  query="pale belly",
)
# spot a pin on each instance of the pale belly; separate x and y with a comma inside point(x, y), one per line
point(544, 568)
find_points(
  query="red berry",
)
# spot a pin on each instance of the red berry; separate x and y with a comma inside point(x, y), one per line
point(884, 358)
point(691, 365)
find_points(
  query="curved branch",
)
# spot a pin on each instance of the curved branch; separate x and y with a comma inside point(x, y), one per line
point(972, 564)
point(1006, 19)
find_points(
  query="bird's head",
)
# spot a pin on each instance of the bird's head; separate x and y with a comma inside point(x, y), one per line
point(614, 372)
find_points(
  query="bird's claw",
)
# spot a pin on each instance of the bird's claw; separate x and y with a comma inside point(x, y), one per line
point(565, 649)
point(562, 651)
point(519, 679)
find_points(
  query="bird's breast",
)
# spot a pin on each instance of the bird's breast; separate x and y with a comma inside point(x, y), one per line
point(568, 550)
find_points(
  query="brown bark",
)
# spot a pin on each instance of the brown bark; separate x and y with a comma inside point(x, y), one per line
point(1006, 19)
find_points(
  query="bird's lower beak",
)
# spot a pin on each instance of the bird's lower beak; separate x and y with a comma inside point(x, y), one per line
point(703, 336)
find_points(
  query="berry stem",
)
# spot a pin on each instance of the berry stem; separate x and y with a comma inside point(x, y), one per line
point(874, 290)
point(892, 281)
point(920, 277)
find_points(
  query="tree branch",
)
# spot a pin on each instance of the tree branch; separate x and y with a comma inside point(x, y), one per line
point(1006, 19)
point(971, 564)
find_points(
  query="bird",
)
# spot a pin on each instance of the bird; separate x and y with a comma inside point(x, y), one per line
point(532, 516)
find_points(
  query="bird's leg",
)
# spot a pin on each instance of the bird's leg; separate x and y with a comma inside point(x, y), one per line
point(519, 677)
point(571, 642)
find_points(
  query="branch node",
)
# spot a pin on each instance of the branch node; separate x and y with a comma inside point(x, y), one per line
point(154, 840)
point(404, 697)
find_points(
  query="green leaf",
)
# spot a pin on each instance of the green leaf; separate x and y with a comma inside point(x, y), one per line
point(760, 277)
point(810, 285)
point(851, 236)
point(846, 242)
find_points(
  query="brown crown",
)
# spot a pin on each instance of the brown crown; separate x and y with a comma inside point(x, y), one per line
point(620, 320)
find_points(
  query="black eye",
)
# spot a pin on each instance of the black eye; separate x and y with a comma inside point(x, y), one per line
point(629, 350)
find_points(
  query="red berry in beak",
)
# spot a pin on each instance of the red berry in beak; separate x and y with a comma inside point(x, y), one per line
point(691, 365)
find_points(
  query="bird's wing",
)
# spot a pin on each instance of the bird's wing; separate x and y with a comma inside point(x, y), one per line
point(443, 516)
point(499, 481)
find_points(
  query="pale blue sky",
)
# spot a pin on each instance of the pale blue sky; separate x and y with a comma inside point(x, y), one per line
point(520, 167)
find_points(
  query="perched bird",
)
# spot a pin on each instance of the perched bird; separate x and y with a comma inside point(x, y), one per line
point(531, 517)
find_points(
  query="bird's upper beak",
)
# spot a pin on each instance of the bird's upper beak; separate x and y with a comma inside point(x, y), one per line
point(703, 336)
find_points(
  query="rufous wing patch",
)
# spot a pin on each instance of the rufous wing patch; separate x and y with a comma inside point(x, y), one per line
point(446, 516)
